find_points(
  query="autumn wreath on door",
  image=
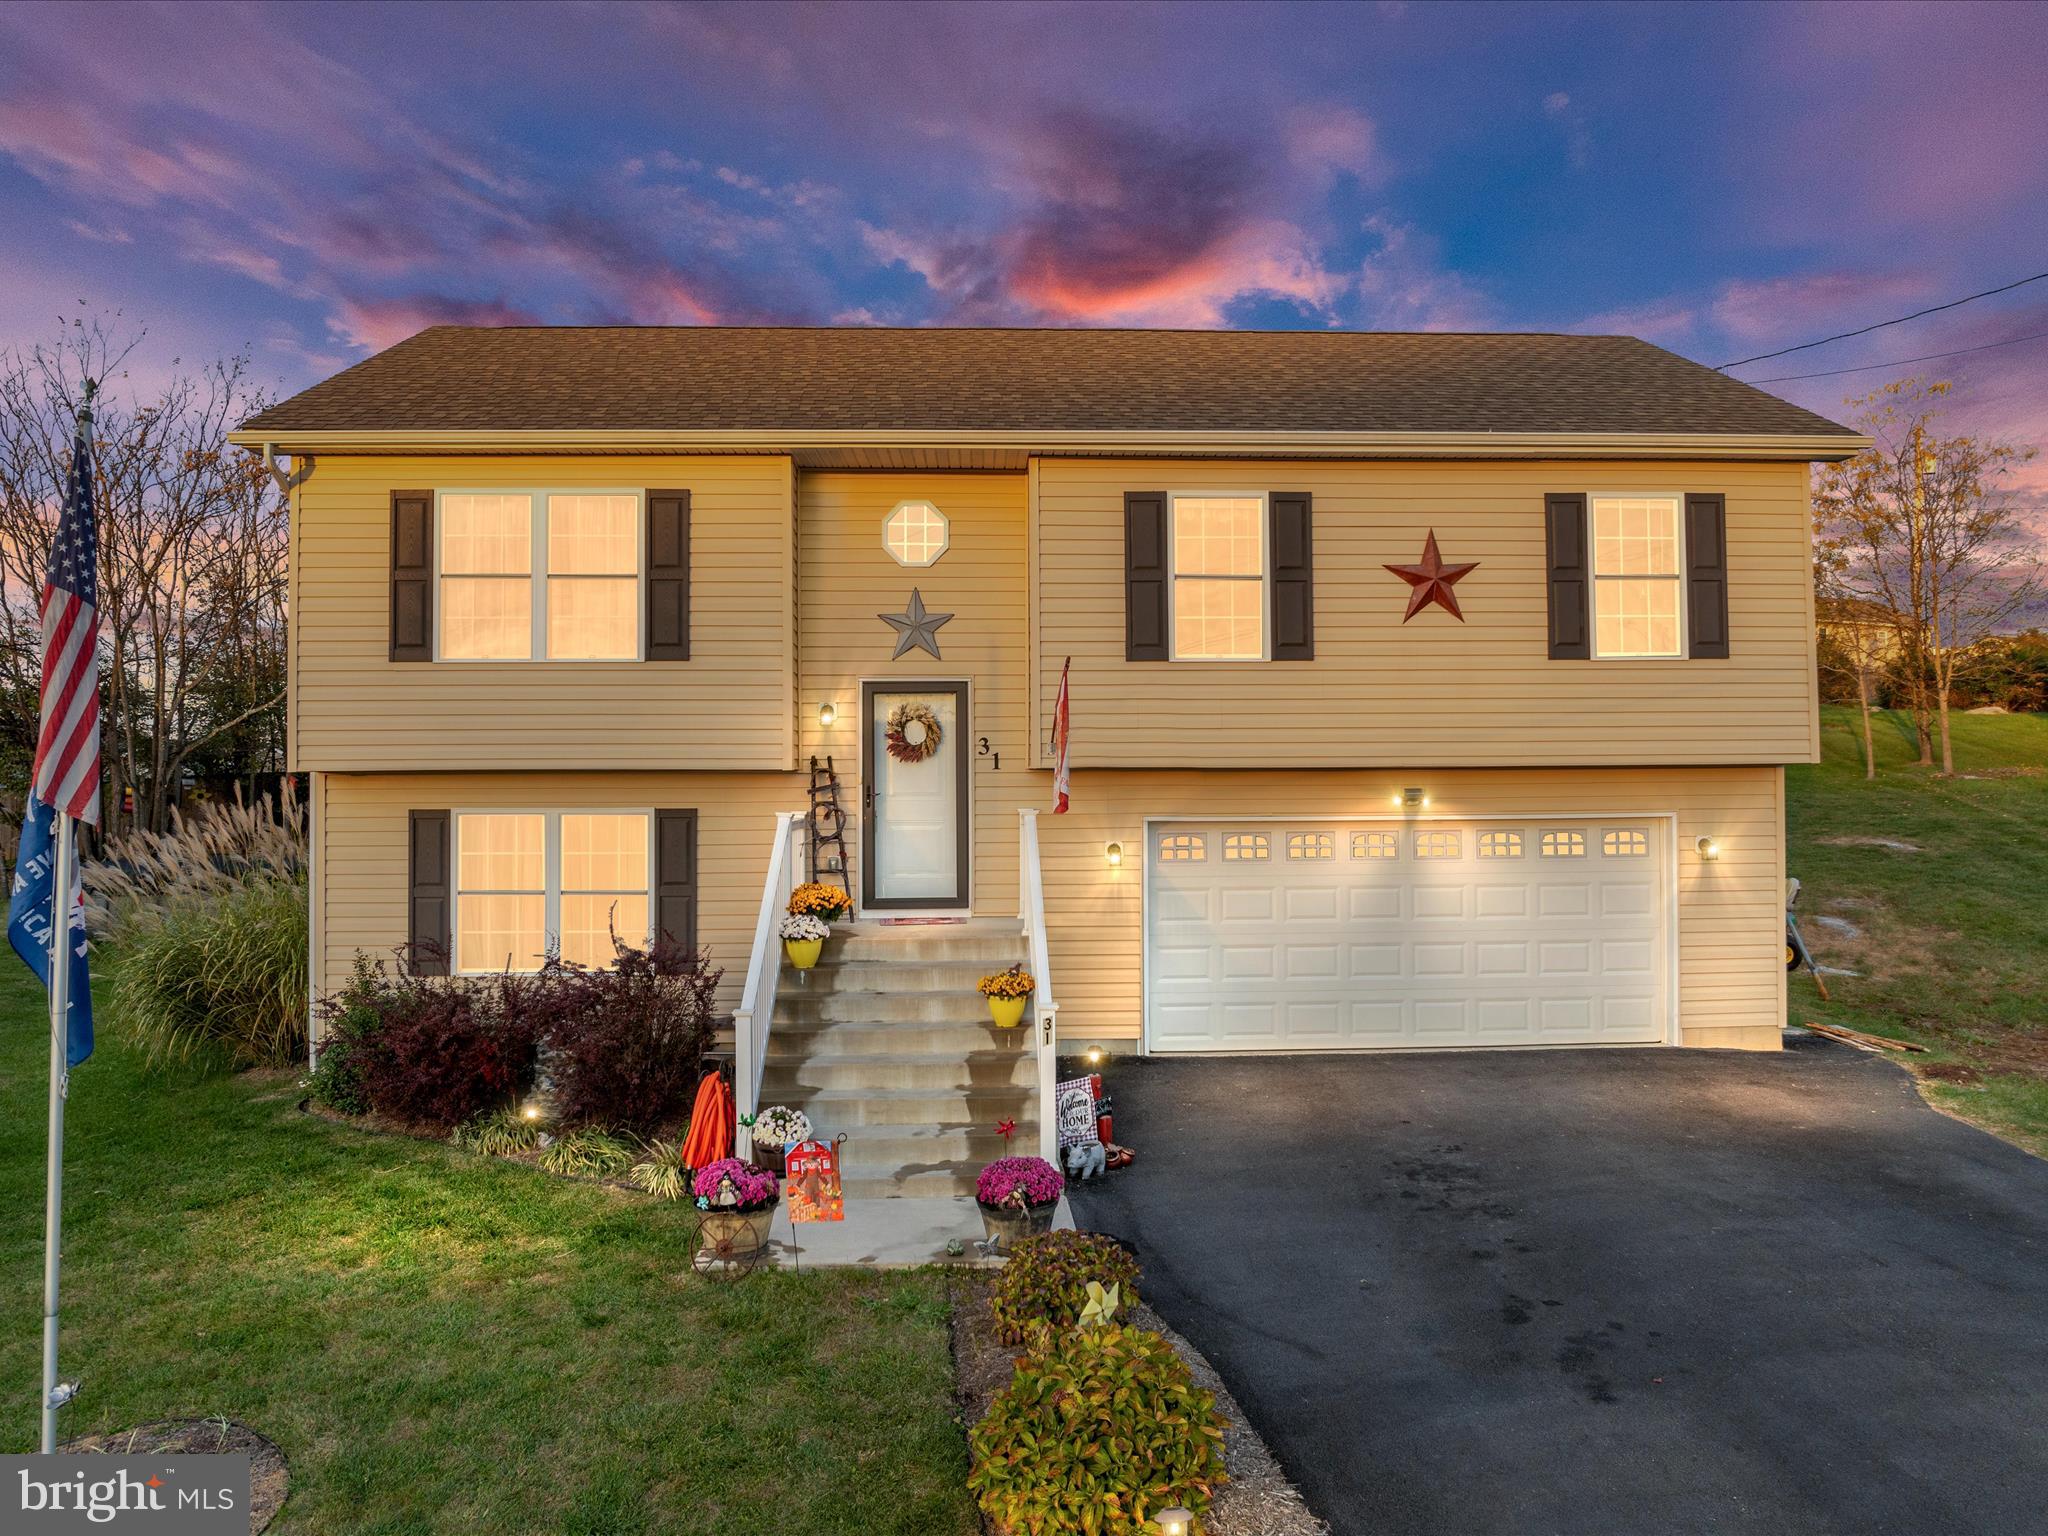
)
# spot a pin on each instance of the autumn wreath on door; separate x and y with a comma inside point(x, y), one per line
point(913, 733)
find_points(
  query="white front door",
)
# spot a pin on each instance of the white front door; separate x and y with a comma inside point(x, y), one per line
point(916, 801)
point(1329, 935)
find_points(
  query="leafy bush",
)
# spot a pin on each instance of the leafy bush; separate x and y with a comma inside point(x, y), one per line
point(1098, 1433)
point(1045, 1283)
point(345, 1024)
point(441, 1051)
point(590, 1152)
point(218, 977)
point(505, 1130)
point(626, 1044)
point(661, 1171)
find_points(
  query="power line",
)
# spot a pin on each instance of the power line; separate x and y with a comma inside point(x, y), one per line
point(1929, 357)
point(1932, 309)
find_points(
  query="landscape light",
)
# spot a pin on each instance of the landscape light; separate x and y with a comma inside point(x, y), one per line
point(1175, 1521)
point(1094, 1055)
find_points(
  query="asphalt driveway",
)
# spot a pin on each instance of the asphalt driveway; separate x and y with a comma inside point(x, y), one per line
point(1629, 1292)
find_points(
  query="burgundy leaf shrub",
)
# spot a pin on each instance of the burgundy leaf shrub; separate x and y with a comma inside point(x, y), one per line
point(626, 1045)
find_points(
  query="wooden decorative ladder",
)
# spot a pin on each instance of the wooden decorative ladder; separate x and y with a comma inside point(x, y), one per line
point(828, 828)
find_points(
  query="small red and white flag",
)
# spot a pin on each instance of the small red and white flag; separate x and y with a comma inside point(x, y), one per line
point(1060, 723)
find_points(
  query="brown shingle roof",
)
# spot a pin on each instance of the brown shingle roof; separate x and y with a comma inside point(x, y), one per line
point(690, 378)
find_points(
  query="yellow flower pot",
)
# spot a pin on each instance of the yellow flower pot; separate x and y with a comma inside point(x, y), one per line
point(1008, 1012)
point(803, 953)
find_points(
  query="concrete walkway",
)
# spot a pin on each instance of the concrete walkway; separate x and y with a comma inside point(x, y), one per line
point(1602, 1293)
point(887, 1234)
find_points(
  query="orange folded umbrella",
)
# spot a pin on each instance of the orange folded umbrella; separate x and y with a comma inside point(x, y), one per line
point(711, 1123)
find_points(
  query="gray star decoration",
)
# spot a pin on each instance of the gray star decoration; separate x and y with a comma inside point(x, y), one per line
point(915, 628)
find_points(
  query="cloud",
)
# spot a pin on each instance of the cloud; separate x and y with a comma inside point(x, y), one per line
point(1403, 286)
point(1785, 308)
point(1578, 139)
point(105, 234)
point(376, 323)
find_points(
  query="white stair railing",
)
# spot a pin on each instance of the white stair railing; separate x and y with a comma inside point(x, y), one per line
point(1045, 1012)
point(755, 1015)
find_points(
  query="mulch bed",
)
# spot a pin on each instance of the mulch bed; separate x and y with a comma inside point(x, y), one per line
point(1257, 1501)
point(269, 1478)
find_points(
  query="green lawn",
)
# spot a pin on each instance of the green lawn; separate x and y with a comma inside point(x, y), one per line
point(444, 1343)
point(1954, 946)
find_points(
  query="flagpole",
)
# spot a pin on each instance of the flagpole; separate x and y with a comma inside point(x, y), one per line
point(60, 1072)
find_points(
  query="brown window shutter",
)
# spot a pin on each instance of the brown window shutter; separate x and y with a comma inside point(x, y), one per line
point(1706, 576)
point(412, 575)
point(675, 876)
point(668, 575)
point(430, 883)
point(1294, 607)
point(1145, 576)
point(1570, 579)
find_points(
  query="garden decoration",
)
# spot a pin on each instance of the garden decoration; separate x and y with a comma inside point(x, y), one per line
point(1017, 1196)
point(1007, 1129)
point(816, 1192)
point(803, 939)
point(912, 733)
point(775, 1130)
point(828, 903)
point(738, 1202)
point(915, 628)
point(1432, 581)
point(1007, 992)
point(1074, 1112)
point(1100, 1309)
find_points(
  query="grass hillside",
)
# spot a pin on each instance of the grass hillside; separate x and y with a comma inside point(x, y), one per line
point(441, 1342)
point(1946, 883)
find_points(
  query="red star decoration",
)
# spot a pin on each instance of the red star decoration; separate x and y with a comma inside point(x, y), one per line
point(1432, 581)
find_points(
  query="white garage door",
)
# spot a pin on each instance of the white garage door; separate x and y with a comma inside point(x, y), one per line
point(1331, 935)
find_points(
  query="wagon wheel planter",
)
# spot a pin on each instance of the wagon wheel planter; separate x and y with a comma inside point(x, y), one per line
point(731, 1244)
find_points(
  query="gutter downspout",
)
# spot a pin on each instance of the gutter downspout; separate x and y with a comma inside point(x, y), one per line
point(300, 470)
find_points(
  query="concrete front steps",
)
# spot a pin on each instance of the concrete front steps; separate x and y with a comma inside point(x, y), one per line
point(886, 1040)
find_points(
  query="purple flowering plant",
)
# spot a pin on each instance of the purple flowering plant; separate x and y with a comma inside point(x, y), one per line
point(1019, 1182)
point(731, 1185)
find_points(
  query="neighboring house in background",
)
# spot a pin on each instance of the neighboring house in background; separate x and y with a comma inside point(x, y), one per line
point(570, 606)
point(1861, 628)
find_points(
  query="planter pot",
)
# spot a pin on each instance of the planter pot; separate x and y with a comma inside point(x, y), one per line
point(1007, 1226)
point(803, 953)
point(745, 1230)
point(774, 1159)
point(1008, 1012)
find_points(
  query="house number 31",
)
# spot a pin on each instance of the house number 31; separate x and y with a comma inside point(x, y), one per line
point(982, 750)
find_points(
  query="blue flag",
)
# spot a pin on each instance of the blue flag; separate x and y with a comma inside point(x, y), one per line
point(29, 915)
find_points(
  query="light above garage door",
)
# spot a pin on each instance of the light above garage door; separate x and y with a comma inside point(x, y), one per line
point(1334, 935)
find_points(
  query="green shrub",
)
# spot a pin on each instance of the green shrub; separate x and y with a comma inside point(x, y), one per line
point(1046, 1280)
point(589, 1152)
point(217, 975)
point(661, 1170)
point(499, 1133)
point(1097, 1433)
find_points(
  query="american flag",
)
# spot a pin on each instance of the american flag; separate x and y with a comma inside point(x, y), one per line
point(1060, 723)
point(67, 770)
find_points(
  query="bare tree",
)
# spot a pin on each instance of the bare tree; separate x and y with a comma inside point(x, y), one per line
point(192, 561)
point(1922, 526)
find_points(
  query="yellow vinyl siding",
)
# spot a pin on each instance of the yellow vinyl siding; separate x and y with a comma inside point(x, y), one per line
point(360, 902)
point(849, 578)
point(1731, 980)
point(728, 707)
point(1433, 690)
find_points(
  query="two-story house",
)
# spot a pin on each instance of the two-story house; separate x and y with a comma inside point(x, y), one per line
point(1426, 690)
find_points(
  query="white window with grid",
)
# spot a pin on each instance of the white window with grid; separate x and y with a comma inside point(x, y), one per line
point(1638, 576)
point(1181, 847)
point(1439, 844)
point(1219, 577)
point(1624, 843)
point(1246, 845)
point(531, 882)
point(1375, 845)
point(1563, 845)
point(1312, 845)
point(916, 533)
point(538, 575)
point(1500, 845)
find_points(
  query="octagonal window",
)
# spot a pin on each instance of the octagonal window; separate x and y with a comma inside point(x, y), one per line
point(916, 533)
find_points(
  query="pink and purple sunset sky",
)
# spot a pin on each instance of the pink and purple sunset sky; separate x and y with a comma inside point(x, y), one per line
point(315, 181)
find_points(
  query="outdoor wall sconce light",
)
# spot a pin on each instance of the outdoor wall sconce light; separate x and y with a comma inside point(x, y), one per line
point(1094, 1055)
point(1709, 849)
point(1175, 1522)
point(1114, 852)
point(828, 714)
point(1410, 797)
